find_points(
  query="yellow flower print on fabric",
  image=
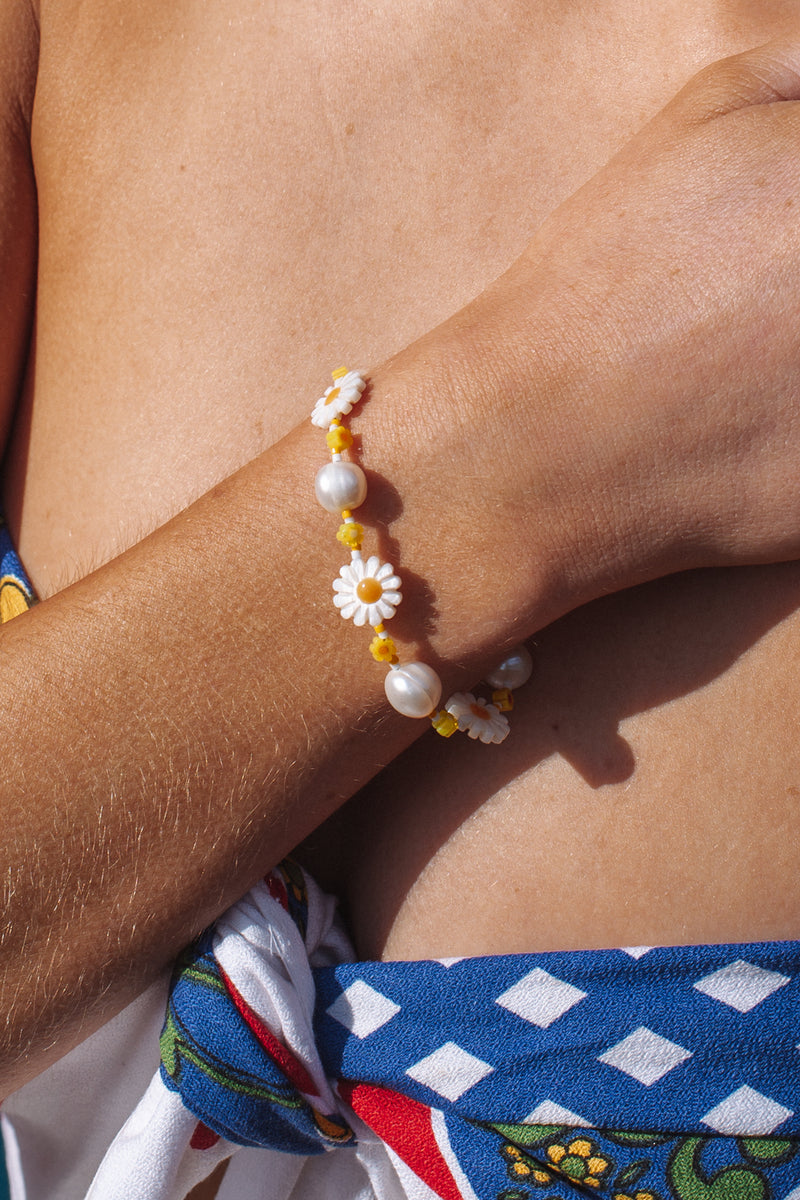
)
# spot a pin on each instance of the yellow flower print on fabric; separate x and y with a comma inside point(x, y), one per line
point(581, 1161)
point(524, 1169)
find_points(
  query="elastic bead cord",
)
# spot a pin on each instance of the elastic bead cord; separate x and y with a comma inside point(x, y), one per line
point(369, 592)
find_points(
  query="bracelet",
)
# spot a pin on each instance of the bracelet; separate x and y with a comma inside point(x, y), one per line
point(368, 592)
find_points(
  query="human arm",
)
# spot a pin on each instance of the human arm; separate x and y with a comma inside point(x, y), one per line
point(168, 664)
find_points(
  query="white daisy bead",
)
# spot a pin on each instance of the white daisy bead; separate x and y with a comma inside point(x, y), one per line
point(369, 592)
point(477, 718)
point(413, 689)
point(339, 399)
point(340, 485)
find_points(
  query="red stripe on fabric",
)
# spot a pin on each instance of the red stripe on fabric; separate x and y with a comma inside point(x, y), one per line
point(405, 1126)
point(292, 1068)
point(203, 1138)
point(277, 889)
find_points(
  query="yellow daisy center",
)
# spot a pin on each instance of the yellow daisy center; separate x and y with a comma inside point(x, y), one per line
point(479, 711)
point(369, 591)
point(332, 394)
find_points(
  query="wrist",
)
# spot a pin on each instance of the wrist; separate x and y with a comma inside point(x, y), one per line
point(578, 457)
point(461, 496)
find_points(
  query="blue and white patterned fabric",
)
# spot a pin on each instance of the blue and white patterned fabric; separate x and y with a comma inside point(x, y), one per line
point(700, 1037)
point(16, 593)
point(634, 1074)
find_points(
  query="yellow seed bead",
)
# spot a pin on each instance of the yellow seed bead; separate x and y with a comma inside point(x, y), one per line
point(351, 535)
point(383, 649)
point(444, 723)
point(503, 699)
point(338, 439)
point(339, 373)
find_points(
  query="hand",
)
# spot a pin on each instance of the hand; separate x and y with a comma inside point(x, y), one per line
point(643, 356)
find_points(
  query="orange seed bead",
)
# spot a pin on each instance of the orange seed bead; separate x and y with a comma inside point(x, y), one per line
point(383, 649)
point(339, 439)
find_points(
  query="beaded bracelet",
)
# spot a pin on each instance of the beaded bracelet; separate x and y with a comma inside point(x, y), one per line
point(369, 592)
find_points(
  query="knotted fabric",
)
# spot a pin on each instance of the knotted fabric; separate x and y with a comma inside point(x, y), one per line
point(634, 1074)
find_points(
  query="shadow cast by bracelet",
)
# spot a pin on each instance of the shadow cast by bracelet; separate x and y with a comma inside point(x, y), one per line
point(414, 622)
point(619, 658)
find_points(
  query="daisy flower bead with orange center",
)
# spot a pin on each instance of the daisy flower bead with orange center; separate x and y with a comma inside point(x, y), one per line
point(477, 718)
point(339, 399)
point(369, 592)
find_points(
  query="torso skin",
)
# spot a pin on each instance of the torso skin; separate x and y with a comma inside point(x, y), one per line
point(235, 199)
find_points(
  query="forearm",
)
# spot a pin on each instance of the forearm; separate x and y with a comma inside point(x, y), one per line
point(180, 719)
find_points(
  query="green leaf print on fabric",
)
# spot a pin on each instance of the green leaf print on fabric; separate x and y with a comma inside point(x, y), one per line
point(767, 1152)
point(630, 1176)
point(539, 1159)
point(177, 1049)
point(690, 1182)
point(527, 1135)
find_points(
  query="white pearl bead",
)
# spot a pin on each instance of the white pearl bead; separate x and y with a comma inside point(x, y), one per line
point(340, 485)
point(515, 669)
point(414, 689)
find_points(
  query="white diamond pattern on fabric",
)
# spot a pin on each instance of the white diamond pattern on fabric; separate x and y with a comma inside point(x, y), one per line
point(645, 1056)
point(450, 1071)
point(540, 998)
point(362, 1010)
point(747, 1113)
point(636, 951)
point(550, 1113)
point(741, 985)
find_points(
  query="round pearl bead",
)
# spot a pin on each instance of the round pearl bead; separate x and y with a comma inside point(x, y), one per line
point(414, 689)
point(515, 669)
point(340, 485)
